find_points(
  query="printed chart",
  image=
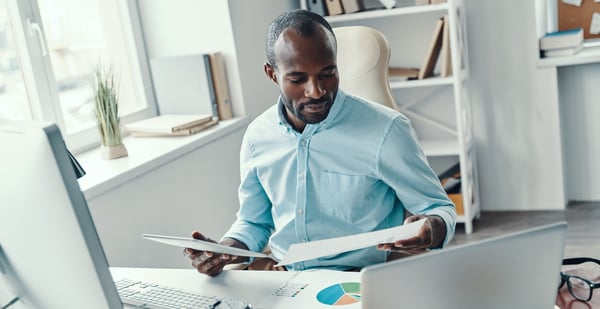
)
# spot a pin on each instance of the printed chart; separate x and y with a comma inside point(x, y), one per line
point(340, 294)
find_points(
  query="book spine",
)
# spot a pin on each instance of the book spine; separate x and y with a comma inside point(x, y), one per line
point(211, 86)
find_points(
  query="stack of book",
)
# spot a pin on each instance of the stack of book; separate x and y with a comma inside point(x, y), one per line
point(562, 43)
point(171, 125)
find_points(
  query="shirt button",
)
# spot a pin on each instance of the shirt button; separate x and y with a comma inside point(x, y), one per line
point(300, 211)
point(304, 239)
point(298, 267)
point(301, 175)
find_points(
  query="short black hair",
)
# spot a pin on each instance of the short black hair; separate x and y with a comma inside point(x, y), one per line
point(304, 22)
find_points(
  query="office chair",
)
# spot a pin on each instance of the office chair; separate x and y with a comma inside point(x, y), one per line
point(363, 56)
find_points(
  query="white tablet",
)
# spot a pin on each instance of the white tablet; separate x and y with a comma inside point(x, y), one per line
point(201, 245)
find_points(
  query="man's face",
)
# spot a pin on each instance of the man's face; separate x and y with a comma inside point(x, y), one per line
point(306, 74)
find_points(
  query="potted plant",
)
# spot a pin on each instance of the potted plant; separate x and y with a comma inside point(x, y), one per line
point(107, 114)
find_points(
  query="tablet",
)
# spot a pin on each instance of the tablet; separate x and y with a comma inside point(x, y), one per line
point(185, 242)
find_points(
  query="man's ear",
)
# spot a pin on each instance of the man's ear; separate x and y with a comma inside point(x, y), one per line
point(270, 71)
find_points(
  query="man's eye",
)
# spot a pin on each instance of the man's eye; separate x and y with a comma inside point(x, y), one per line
point(328, 74)
point(296, 80)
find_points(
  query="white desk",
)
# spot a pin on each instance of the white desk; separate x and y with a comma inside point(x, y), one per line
point(257, 287)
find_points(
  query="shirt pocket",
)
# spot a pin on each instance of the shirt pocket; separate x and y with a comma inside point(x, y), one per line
point(347, 197)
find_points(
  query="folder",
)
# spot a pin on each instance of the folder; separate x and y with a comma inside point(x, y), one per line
point(169, 123)
point(221, 86)
point(433, 51)
point(334, 7)
point(446, 65)
point(351, 6)
point(182, 132)
point(183, 85)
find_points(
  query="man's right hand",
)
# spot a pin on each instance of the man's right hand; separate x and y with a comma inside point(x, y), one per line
point(212, 263)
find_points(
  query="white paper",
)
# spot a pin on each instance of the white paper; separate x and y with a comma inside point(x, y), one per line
point(201, 245)
point(302, 290)
point(595, 24)
point(572, 2)
point(315, 249)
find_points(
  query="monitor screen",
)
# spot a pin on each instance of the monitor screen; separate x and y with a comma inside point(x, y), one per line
point(50, 253)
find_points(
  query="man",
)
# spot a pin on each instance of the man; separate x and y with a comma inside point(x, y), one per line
point(321, 163)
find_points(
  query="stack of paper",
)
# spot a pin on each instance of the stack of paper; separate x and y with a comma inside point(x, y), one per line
point(171, 125)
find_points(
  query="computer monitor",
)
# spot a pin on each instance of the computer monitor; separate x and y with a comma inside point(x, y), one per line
point(50, 253)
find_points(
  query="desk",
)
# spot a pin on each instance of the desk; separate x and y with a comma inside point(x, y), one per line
point(255, 286)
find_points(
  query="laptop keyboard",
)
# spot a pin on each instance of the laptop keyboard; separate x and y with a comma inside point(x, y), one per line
point(154, 296)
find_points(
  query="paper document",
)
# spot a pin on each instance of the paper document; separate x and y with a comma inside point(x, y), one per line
point(201, 245)
point(319, 248)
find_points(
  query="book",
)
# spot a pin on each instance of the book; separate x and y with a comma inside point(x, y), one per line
point(183, 85)
point(559, 52)
point(562, 39)
point(169, 123)
point(446, 65)
point(351, 6)
point(316, 6)
point(221, 86)
point(401, 72)
point(433, 51)
point(334, 7)
point(182, 132)
point(211, 85)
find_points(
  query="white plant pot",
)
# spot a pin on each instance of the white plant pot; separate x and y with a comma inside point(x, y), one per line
point(113, 152)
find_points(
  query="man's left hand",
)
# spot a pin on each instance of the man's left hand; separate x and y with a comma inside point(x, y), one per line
point(431, 235)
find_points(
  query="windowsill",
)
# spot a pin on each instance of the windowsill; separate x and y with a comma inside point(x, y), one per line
point(145, 154)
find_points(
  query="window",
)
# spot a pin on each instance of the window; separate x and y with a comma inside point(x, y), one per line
point(48, 52)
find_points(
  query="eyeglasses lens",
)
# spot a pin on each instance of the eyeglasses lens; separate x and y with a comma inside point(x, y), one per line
point(580, 288)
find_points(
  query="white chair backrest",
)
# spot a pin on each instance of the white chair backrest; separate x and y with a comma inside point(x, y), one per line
point(363, 56)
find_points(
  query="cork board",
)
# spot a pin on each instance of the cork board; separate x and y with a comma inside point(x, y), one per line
point(570, 16)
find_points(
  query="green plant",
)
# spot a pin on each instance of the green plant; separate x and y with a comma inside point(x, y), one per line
point(107, 107)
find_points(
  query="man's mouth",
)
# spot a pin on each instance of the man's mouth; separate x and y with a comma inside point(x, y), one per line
point(314, 107)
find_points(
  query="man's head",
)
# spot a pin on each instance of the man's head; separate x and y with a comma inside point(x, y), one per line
point(301, 54)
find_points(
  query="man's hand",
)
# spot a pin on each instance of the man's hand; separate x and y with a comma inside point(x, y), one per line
point(431, 235)
point(211, 263)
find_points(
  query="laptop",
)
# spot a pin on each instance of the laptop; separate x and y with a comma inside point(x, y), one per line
point(517, 270)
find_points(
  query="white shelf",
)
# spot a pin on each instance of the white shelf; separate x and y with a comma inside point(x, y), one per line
point(436, 148)
point(427, 82)
point(418, 9)
point(589, 54)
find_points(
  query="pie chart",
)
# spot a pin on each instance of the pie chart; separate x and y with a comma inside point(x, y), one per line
point(340, 294)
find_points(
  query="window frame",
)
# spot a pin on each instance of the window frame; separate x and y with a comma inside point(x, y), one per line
point(39, 78)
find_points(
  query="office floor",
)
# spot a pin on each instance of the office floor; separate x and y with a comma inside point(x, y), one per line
point(583, 219)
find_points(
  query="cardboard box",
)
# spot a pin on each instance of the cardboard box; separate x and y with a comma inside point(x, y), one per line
point(457, 199)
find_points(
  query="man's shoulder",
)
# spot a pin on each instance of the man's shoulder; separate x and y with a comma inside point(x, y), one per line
point(373, 111)
point(267, 118)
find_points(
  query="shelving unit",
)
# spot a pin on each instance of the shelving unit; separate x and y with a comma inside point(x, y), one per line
point(439, 108)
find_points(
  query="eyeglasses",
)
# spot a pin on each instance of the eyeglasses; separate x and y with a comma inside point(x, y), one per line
point(579, 288)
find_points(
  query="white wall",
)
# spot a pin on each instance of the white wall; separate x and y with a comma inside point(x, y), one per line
point(515, 109)
point(579, 98)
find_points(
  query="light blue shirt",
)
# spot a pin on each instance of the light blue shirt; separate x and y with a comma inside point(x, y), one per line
point(354, 172)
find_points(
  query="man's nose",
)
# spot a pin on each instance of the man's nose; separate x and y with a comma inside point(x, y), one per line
point(314, 89)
